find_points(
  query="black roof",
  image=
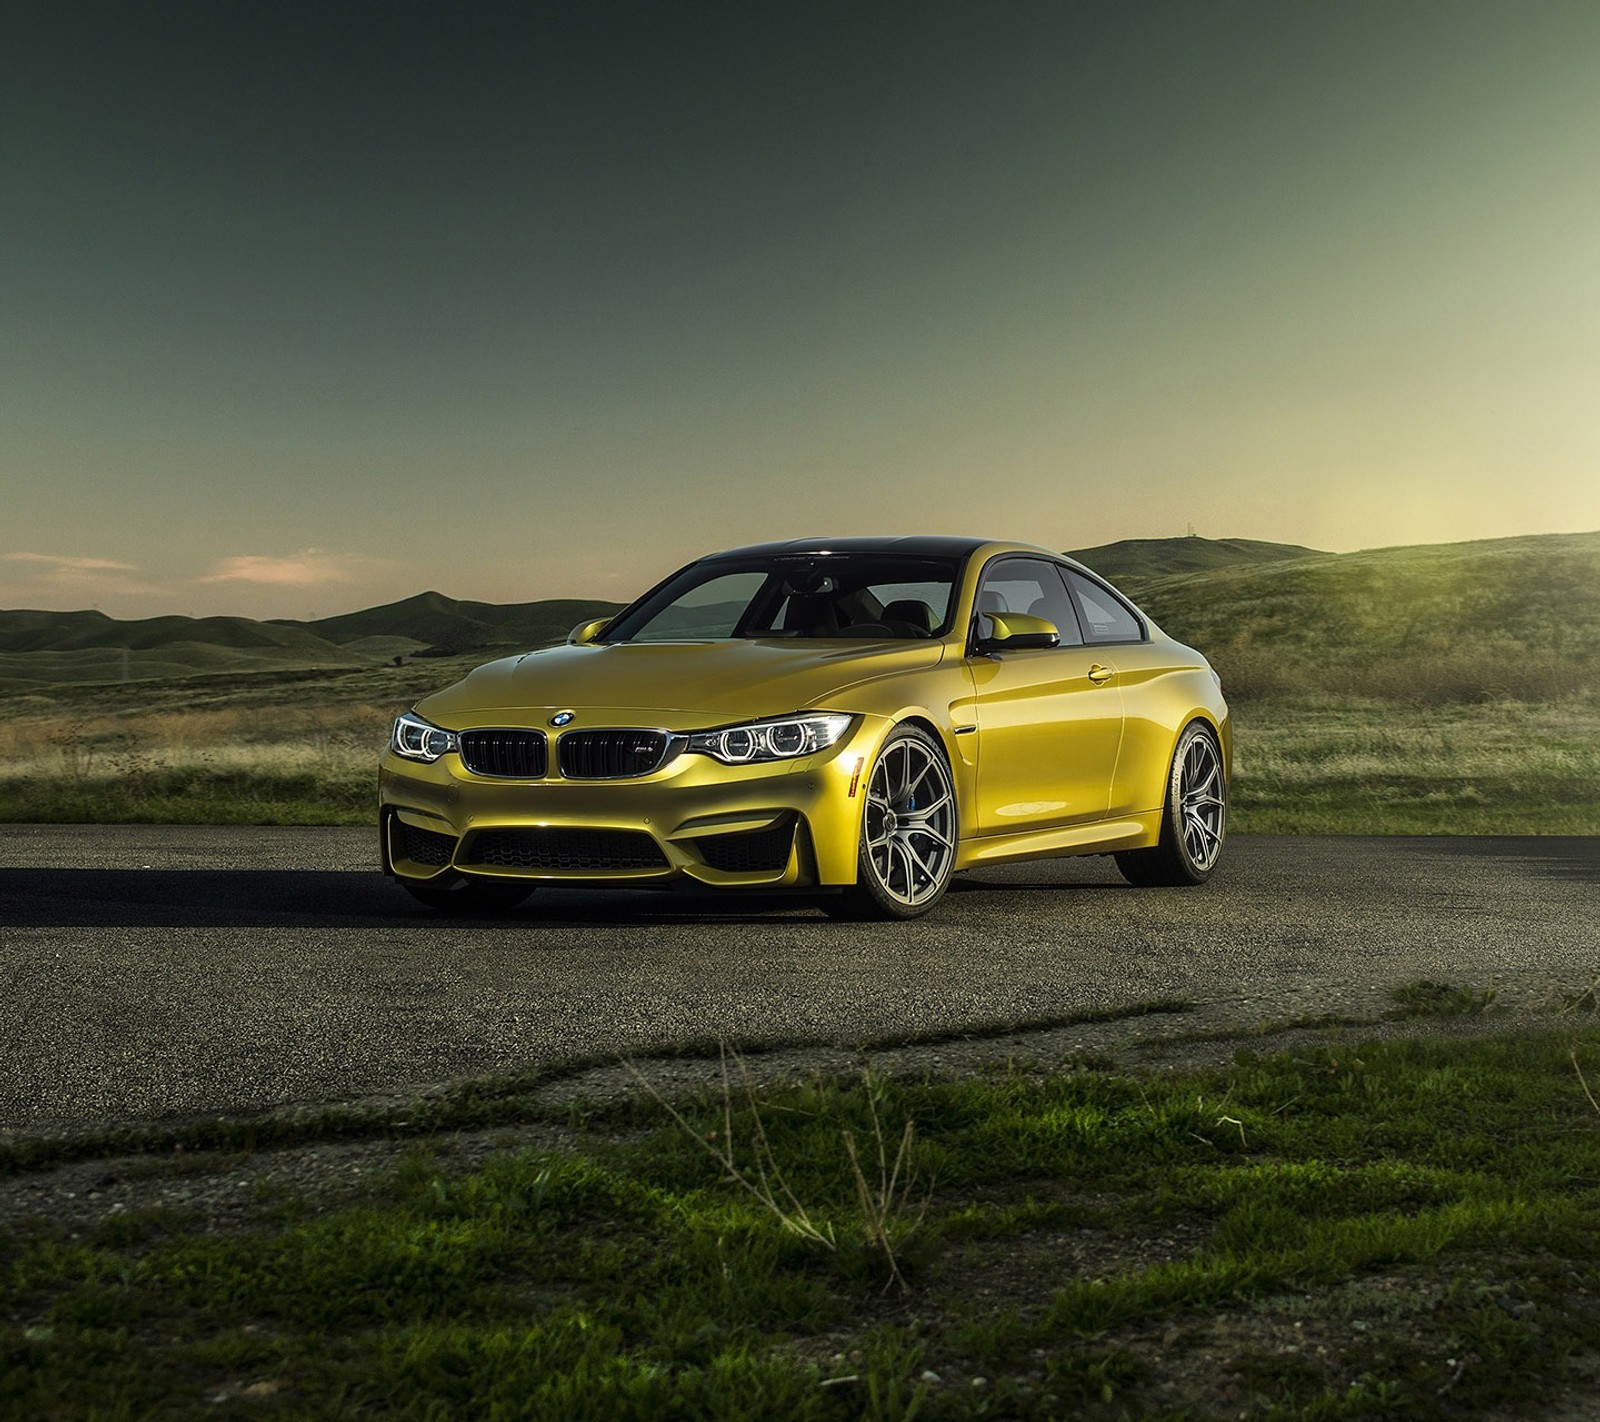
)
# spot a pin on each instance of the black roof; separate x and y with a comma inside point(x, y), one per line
point(924, 545)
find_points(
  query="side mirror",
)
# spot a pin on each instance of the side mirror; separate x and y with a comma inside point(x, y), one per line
point(1016, 632)
point(585, 632)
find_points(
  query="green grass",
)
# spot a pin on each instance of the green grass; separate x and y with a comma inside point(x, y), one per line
point(1308, 765)
point(1343, 1233)
point(1515, 618)
point(1326, 765)
point(189, 794)
point(1427, 998)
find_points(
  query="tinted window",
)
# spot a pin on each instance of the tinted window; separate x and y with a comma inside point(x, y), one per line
point(1028, 585)
point(808, 595)
point(1106, 618)
point(711, 609)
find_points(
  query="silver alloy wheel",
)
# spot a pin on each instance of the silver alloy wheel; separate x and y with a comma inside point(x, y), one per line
point(1202, 802)
point(911, 822)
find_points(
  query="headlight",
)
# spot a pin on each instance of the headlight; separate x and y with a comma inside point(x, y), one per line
point(417, 739)
point(772, 740)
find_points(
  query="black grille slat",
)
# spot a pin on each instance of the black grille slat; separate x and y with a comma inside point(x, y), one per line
point(426, 846)
point(509, 755)
point(610, 755)
point(565, 849)
point(749, 852)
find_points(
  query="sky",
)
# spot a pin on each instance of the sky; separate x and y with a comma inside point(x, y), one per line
point(305, 308)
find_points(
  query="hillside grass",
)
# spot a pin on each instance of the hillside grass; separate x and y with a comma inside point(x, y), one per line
point(1405, 1229)
point(305, 753)
point(1327, 765)
point(1504, 619)
point(295, 749)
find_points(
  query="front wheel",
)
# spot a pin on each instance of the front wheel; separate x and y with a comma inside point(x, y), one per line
point(908, 832)
point(1194, 819)
point(464, 896)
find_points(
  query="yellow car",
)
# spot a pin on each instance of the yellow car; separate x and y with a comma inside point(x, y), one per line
point(857, 717)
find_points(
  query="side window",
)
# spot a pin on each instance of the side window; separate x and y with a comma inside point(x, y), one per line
point(1106, 618)
point(1032, 586)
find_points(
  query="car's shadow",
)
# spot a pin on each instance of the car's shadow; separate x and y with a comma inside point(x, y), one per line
point(1554, 856)
point(241, 898)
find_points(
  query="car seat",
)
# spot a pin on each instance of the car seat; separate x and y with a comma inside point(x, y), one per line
point(909, 612)
point(989, 601)
point(811, 615)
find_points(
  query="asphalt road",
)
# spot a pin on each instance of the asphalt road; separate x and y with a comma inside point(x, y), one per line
point(149, 971)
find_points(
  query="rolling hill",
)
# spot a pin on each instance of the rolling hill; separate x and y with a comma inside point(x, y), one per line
point(29, 631)
point(1513, 617)
point(1155, 557)
point(433, 620)
point(39, 649)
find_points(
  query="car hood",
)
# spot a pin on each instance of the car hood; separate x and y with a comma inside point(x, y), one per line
point(678, 683)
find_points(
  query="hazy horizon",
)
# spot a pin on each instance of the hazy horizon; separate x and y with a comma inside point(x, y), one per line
point(624, 596)
point(309, 310)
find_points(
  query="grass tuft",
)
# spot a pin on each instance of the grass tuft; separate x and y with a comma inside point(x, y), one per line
point(1426, 998)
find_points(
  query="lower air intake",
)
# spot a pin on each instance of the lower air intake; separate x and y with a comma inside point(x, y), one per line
point(428, 847)
point(565, 849)
point(761, 851)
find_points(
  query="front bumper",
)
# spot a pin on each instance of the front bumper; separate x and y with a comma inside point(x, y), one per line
point(778, 824)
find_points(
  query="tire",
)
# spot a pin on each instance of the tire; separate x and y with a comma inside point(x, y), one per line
point(466, 896)
point(1194, 817)
point(909, 831)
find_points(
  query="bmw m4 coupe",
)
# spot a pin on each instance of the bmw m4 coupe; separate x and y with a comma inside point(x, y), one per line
point(858, 717)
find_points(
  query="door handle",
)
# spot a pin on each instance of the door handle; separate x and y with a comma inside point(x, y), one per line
point(1100, 675)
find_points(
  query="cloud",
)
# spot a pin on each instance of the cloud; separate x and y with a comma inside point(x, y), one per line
point(29, 579)
point(307, 568)
point(53, 579)
point(59, 563)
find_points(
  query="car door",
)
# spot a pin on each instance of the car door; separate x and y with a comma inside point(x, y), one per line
point(1049, 719)
point(1113, 628)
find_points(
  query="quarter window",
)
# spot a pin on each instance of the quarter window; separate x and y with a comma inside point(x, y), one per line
point(1106, 618)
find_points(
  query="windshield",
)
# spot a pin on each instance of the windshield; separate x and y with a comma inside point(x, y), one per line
point(882, 595)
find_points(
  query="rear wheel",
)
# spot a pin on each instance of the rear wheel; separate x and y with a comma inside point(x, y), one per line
point(908, 832)
point(1194, 820)
point(463, 895)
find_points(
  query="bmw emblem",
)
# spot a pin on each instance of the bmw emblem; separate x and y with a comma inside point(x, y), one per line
point(562, 718)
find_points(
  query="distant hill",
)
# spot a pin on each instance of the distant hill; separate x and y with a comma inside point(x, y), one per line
point(1160, 557)
point(1511, 617)
point(29, 631)
point(433, 620)
point(50, 648)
